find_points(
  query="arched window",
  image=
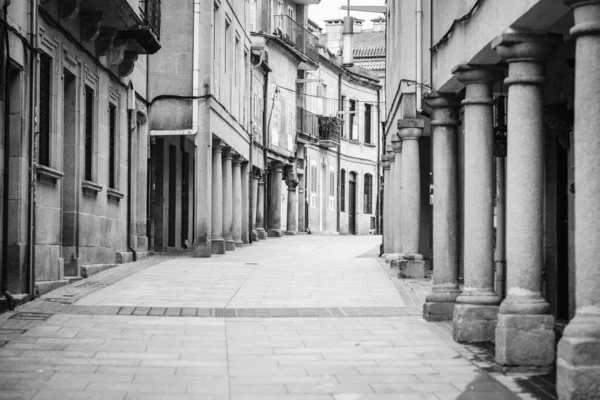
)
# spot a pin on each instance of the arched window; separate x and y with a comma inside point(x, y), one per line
point(343, 191)
point(368, 193)
point(313, 184)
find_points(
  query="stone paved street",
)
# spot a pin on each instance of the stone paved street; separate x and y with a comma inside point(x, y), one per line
point(57, 348)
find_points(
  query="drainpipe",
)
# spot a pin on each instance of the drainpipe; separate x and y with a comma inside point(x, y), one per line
point(33, 129)
point(418, 56)
point(265, 132)
point(339, 159)
point(250, 157)
point(378, 211)
point(5, 43)
point(129, 177)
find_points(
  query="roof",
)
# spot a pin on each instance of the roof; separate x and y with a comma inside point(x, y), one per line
point(369, 44)
point(377, 64)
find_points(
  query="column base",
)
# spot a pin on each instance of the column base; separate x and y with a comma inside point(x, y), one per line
point(254, 236)
point(392, 257)
point(474, 323)
point(229, 245)
point(203, 251)
point(439, 306)
point(240, 244)
point(275, 233)
point(218, 246)
point(291, 233)
point(525, 341)
point(411, 269)
point(261, 233)
point(578, 363)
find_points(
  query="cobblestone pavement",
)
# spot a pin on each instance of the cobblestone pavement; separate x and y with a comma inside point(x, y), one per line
point(294, 318)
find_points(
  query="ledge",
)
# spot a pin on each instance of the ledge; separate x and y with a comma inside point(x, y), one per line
point(352, 141)
point(114, 194)
point(48, 174)
point(90, 188)
point(370, 144)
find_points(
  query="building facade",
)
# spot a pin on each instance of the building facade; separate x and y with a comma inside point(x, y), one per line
point(509, 97)
point(74, 113)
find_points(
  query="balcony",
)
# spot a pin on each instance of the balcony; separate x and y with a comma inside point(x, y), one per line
point(120, 29)
point(307, 126)
point(296, 36)
point(330, 129)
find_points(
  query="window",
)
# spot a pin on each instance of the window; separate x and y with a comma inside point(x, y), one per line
point(344, 131)
point(216, 31)
point(45, 110)
point(290, 121)
point(368, 110)
point(343, 191)
point(368, 193)
point(89, 133)
point(227, 44)
point(253, 14)
point(236, 61)
point(313, 184)
point(112, 141)
point(331, 189)
point(352, 119)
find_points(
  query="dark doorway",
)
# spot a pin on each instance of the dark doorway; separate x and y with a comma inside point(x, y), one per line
point(185, 206)
point(352, 204)
point(562, 233)
point(172, 194)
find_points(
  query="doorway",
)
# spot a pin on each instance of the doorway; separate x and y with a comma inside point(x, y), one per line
point(352, 204)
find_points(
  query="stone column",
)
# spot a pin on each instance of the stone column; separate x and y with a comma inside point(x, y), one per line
point(578, 366)
point(301, 203)
point(218, 243)
point(236, 227)
point(411, 265)
point(476, 310)
point(394, 204)
point(439, 303)
point(275, 217)
point(397, 196)
point(525, 330)
point(245, 203)
point(387, 244)
point(260, 207)
point(228, 200)
point(254, 205)
point(292, 206)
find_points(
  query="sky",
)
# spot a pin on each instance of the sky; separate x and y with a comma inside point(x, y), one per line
point(330, 9)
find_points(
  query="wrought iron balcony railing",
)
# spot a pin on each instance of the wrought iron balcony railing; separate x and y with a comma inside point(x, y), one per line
point(297, 36)
point(330, 129)
point(307, 124)
point(150, 10)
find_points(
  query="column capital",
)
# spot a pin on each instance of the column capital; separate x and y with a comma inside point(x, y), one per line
point(237, 158)
point(515, 46)
point(277, 166)
point(410, 129)
point(396, 143)
point(228, 153)
point(385, 161)
point(586, 23)
point(256, 173)
point(218, 145)
point(472, 73)
point(390, 152)
point(445, 108)
point(292, 184)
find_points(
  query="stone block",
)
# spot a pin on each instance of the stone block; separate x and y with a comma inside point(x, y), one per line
point(218, 247)
point(391, 257)
point(124, 257)
point(438, 311)
point(275, 233)
point(474, 323)
point(525, 340)
point(229, 245)
point(576, 379)
point(413, 269)
point(89, 270)
point(291, 233)
point(44, 287)
point(262, 234)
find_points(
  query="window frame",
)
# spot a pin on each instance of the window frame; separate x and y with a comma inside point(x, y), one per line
point(45, 135)
point(368, 194)
point(343, 190)
point(314, 184)
point(353, 117)
point(89, 115)
point(368, 123)
point(113, 136)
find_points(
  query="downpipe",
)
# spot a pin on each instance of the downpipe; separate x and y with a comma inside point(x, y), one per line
point(129, 177)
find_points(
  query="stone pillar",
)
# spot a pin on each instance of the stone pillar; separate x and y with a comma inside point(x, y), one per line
point(476, 310)
point(387, 244)
point(397, 196)
point(245, 203)
point(439, 303)
point(275, 216)
point(260, 207)
point(228, 200)
point(292, 206)
point(253, 206)
point(525, 330)
point(411, 265)
point(236, 227)
point(301, 203)
point(218, 243)
point(394, 204)
point(578, 365)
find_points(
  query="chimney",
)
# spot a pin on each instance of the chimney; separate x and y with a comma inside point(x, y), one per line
point(358, 25)
point(333, 30)
point(379, 24)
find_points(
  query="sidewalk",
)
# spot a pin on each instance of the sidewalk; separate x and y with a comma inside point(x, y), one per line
point(293, 318)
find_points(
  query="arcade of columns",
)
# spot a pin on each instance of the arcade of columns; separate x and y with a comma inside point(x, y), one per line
point(520, 323)
point(231, 186)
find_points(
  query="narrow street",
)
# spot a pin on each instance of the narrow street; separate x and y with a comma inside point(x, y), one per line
point(302, 317)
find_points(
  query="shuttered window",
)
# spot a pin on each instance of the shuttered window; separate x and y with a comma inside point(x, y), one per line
point(45, 95)
point(112, 139)
point(343, 191)
point(89, 133)
point(368, 194)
